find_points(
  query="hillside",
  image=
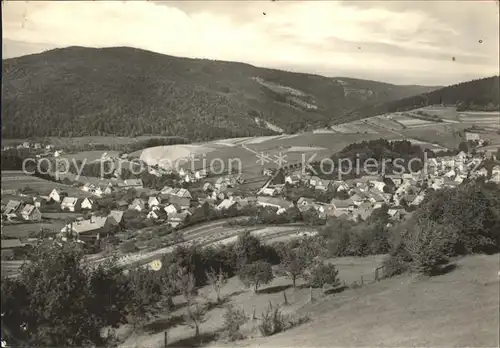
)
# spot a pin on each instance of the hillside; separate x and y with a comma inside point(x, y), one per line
point(476, 95)
point(123, 91)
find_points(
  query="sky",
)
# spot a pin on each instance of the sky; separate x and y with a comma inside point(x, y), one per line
point(401, 42)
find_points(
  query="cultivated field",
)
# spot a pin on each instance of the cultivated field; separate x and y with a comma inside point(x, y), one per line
point(15, 180)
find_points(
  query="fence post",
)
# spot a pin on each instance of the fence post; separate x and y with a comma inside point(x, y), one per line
point(310, 294)
point(376, 274)
point(284, 295)
point(361, 280)
point(165, 339)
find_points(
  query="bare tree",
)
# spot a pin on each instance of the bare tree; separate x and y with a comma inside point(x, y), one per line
point(217, 280)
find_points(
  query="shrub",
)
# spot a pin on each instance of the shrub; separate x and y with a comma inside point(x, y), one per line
point(324, 274)
point(273, 321)
point(398, 262)
point(233, 320)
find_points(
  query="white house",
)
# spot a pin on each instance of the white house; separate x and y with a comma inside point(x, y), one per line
point(153, 201)
point(170, 210)
point(87, 203)
point(57, 153)
point(207, 186)
point(137, 204)
point(267, 191)
point(226, 204)
point(69, 203)
point(379, 185)
point(279, 203)
point(55, 195)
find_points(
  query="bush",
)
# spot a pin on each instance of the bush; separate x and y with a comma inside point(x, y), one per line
point(273, 321)
point(398, 262)
point(324, 275)
point(233, 320)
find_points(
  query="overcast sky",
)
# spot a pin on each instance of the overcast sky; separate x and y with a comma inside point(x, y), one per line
point(407, 42)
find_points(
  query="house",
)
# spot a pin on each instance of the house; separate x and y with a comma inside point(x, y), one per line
point(267, 191)
point(184, 193)
point(304, 203)
point(157, 214)
point(450, 183)
point(167, 190)
point(267, 172)
point(363, 211)
point(88, 230)
point(379, 185)
point(226, 204)
point(39, 201)
point(57, 153)
point(87, 204)
point(397, 180)
point(207, 186)
point(340, 185)
point(313, 181)
point(69, 203)
point(26, 144)
point(37, 146)
point(418, 199)
point(358, 198)
point(281, 204)
point(396, 214)
point(323, 185)
point(116, 217)
point(137, 204)
point(342, 204)
point(472, 136)
point(153, 201)
point(481, 172)
point(170, 209)
point(292, 179)
point(374, 196)
point(88, 187)
point(12, 207)
point(132, 183)
point(182, 172)
point(55, 195)
point(31, 213)
point(122, 204)
point(178, 218)
point(181, 203)
point(98, 191)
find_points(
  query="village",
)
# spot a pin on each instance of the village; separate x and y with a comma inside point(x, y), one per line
point(353, 199)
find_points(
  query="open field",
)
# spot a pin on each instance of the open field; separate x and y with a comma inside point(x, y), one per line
point(89, 156)
point(15, 180)
point(81, 141)
point(459, 308)
point(26, 230)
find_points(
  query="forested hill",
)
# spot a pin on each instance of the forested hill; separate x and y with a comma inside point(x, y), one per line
point(478, 95)
point(123, 91)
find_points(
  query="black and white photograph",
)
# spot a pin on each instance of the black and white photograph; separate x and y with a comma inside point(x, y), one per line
point(253, 174)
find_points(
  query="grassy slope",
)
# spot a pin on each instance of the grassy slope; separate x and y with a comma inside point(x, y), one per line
point(125, 91)
point(456, 309)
